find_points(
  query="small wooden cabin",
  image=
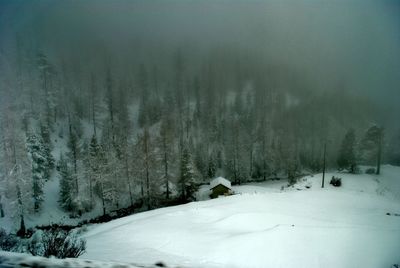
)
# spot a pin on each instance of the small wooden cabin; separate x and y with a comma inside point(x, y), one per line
point(220, 186)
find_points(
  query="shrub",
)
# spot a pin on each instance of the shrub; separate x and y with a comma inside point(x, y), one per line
point(8, 242)
point(370, 171)
point(337, 182)
point(357, 170)
point(58, 243)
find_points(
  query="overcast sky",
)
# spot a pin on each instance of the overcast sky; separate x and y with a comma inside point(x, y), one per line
point(352, 42)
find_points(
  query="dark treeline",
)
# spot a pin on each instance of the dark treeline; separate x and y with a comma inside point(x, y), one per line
point(150, 124)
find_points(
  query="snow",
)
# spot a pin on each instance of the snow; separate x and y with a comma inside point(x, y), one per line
point(51, 212)
point(220, 180)
point(9, 259)
point(356, 225)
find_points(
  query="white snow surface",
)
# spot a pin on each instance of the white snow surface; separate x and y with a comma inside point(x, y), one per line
point(356, 225)
point(220, 180)
point(11, 259)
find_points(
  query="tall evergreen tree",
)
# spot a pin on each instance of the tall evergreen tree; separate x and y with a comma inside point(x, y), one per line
point(371, 146)
point(66, 184)
point(38, 158)
point(94, 165)
point(187, 179)
point(166, 145)
point(49, 165)
point(74, 150)
point(347, 157)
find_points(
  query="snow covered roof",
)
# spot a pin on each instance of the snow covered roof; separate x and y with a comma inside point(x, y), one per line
point(220, 180)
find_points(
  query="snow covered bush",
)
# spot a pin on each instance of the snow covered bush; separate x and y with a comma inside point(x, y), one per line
point(58, 243)
point(337, 182)
point(7, 241)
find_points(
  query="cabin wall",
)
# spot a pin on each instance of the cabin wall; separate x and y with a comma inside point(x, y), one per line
point(219, 190)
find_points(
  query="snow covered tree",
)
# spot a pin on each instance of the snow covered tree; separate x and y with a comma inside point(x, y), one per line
point(38, 158)
point(148, 160)
point(187, 180)
point(47, 72)
point(73, 153)
point(94, 163)
point(15, 167)
point(98, 171)
point(166, 145)
point(143, 116)
point(73, 147)
point(394, 149)
point(371, 146)
point(49, 164)
point(1, 208)
point(347, 157)
point(110, 101)
point(66, 181)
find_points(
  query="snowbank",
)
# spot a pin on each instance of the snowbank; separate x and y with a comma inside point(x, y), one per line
point(351, 226)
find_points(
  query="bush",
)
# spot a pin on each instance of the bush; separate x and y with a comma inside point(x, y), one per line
point(357, 170)
point(8, 242)
point(58, 243)
point(337, 182)
point(370, 171)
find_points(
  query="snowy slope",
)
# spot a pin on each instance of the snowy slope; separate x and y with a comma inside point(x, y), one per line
point(296, 227)
point(51, 211)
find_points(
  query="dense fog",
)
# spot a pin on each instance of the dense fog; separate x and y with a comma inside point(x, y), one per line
point(142, 93)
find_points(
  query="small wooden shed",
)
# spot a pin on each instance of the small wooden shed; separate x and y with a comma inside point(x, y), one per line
point(220, 186)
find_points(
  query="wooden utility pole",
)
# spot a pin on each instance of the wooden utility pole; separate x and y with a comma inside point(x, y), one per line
point(324, 165)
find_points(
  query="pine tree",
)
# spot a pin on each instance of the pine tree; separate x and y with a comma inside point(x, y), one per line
point(35, 148)
point(65, 199)
point(1, 208)
point(22, 229)
point(93, 165)
point(347, 158)
point(49, 165)
point(146, 151)
point(74, 150)
point(371, 146)
point(394, 150)
point(187, 176)
point(166, 140)
point(47, 72)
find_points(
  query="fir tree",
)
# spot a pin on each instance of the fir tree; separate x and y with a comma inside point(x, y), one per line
point(36, 151)
point(166, 140)
point(371, 146)
point(65, 199)
point(347, 158)
point(187, 179)
point(73, 146)
point(74, 150)
point(49, 165)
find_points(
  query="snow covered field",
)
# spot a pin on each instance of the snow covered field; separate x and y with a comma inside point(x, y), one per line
point(356, 225)
point(12, 260)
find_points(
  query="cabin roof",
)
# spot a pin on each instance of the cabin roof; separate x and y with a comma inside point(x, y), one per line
point(217, 181)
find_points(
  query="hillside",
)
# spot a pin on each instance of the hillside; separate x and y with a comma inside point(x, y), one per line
point(356, 225)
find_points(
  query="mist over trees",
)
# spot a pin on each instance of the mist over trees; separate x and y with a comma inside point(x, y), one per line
point(147, 118)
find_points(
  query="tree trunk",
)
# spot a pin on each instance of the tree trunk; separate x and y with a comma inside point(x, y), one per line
point(146, 153)
point(128, 179)
point(102, 199)
point(323, 170)
point(378, 160)
point(166, 167)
